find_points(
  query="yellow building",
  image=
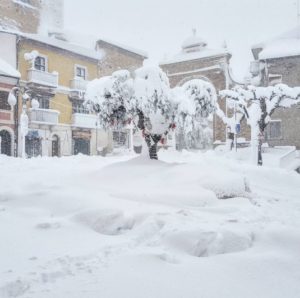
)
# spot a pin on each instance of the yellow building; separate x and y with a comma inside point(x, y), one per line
point(54, 75)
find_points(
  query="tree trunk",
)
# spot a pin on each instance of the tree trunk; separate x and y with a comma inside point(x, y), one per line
point(153, 151)
point(259, 157)
point(152, 141)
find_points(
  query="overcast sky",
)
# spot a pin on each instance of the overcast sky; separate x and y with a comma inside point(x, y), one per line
point(160, 26)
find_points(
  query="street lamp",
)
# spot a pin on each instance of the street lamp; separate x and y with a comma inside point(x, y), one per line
point(24, 121)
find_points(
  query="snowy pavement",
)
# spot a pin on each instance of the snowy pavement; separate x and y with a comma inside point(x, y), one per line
point(125, 226)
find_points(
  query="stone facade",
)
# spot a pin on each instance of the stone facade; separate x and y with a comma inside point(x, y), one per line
point(282, 69)
point(196, 61)
point(20, 15)
point(31, 15)
point(116, 57)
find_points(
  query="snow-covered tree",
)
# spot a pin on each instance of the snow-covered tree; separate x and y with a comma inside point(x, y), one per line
point(196, 101)
point(145, 100)
point(154, 105)
point(257, 104)
point(112, 98)
point(148, 101)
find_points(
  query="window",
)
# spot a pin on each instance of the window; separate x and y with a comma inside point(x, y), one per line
point(274, 130)
point(40, 63)
point(44, 102)
point(80, 72)
point(78, 107)
point(3, 101)
point(275, 79)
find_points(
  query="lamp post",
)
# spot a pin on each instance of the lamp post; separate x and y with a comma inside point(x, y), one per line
point(24, 120)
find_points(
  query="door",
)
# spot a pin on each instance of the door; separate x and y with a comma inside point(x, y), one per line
point(81, 146)
point(33, 146)
point(6, 142)
point(55, 146)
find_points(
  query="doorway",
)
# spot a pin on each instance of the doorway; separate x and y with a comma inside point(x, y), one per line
point(81, 146)
point(6, 142)
point(33, 144)
point(55, 146)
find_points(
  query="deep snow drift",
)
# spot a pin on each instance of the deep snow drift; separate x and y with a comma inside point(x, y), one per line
point(125, 226)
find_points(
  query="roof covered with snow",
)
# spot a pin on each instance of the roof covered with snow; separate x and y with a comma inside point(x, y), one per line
point(65, 45)
point(124, 47)
point(7, 70)
point(193, 41)
point(206, 53)
point(194, 48)
point(284, 45)
point(60, 44)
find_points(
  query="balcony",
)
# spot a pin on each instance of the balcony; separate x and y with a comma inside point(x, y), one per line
point(78, 88)
point(84, 120)
point(42, 79)
point(44, 116)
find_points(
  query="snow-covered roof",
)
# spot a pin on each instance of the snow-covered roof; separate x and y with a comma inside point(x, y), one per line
point(193, 41)
point(7, 70)
point(205, 53)
point(61, 44)
point(65, 45)
point(284, 45)
point(194, 48)
point(124, 47)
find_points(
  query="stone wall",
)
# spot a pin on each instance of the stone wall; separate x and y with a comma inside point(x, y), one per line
point(116, 58)
point(209, 69)
point(289, 68)
point(290, 127)
point(18, 16)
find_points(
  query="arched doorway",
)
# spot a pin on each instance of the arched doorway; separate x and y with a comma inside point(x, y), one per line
point(55, 146)
point(6, 142)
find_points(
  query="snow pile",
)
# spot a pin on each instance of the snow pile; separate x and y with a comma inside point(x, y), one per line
point(80, 226)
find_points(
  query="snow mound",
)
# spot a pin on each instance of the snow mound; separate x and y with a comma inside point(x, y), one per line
point(200, 243)
point(230, 186)
point(107, 222)
point(48, 225)
point(14, 289)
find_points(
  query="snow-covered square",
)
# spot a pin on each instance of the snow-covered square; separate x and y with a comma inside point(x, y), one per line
point(189, 225)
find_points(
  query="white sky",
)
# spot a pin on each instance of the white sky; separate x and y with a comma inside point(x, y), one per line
point(160, 26)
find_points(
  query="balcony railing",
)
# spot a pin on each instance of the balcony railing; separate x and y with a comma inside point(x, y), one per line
point(77, 88)
point(42, 78)
point(84, 120)
point(78, 84)
point(44, 116)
